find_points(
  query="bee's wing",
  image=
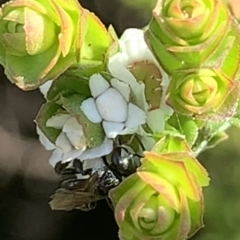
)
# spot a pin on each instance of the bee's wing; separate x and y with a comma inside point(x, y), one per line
point(67, 200)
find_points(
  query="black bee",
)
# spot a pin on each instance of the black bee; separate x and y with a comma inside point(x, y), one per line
point(123, 161)
point(82, 194)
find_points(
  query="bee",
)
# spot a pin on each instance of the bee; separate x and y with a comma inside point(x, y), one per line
point(123, 160)
point(82, 194)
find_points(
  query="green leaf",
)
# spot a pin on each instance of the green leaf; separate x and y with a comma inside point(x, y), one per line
point(67, 85)
point(93, 132)
point(216, 139)
point(96, 41)
point(47, 111)
point(84, 71)
point(235, 121)
point(186, 126)
point(171, 143)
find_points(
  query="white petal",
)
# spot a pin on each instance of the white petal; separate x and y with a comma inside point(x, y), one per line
point(71, 155)
point(90, 110)
point(99, 151)
point(58, 120)
point(56, 157)
point(71, 125)
point(136, 116)
point(127, 131)
point(148, 143)
point(74, 133)
point(146, 139)
point(112, 129)
point(122, 87)
point(98, 85)
point(63, 143)
point(132, 42)
point(95, 164)
point(45, 87)
point(167, 110)
point(119, 71)
point(44, 140)
point(156, 120)
point(112, 106)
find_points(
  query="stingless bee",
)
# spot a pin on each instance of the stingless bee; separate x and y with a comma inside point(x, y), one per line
point(123, 160)
point(83, 193)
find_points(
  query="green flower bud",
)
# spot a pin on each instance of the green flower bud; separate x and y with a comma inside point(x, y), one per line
point(197, 92)
point(40, 39)
point(163, 199)
point(192, 34)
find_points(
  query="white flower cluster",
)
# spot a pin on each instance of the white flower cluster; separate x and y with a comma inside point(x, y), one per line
point(111, 105)
point(119, 104)
point(71, 142)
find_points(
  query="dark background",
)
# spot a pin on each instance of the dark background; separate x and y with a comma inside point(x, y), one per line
point(27, 180)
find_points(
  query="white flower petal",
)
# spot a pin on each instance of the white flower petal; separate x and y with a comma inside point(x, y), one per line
point(122, 87)
point(98, 85)
point(112, 106)
point(58, 120)
point(167, 110)
point(136, 116)
point(119, 71)
point(63, 143)
point(95, 164)
point(132, 42)
point(74, 133)
point(45, 87)
point(72, 155)
point(156, 120)
point(56, 157)
point(71, 125)
point(90, 110)
point(127, 131)
point(112, 129)
point(99, 151)
point(148, 143)
point(44, 140)
point(146, 139)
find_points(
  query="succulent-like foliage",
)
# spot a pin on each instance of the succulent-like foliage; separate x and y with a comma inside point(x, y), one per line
point(163, 199)
point(197, 43)
point(39, 40)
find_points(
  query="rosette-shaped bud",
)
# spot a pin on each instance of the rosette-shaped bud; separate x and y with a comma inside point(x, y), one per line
point(163, 199)
point(40, 39)
point(199, 92)
point(193, 34)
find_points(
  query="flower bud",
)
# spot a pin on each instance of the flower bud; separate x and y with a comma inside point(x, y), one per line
point(192, 34)
point(198, 92)
point(163, 199)
point(41, 39)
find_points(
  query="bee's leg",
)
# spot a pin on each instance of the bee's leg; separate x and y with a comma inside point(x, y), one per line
point(112, 168)
point(78, 166)
point(60, 167)
point(140, 143)
point(88, 206)
point(137, 155)
point(109, 202)
point(71, 184)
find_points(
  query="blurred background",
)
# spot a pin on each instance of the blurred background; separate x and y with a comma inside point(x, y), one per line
point(27, 181)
